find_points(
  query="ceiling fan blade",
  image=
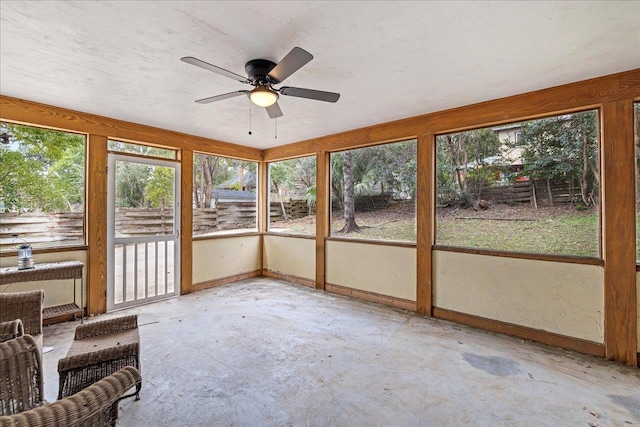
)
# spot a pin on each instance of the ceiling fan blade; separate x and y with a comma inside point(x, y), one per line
point(205, 65)
point(221, 97)
point(274, 111)
point(318, 95)
point(290, 64)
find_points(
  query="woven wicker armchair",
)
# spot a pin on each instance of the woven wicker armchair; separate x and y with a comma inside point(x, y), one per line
point(26, 306)
point(21, 401)
point(99, 349)
point(10, 330)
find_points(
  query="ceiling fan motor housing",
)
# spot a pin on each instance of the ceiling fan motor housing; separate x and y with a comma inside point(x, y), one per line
point(257, 70)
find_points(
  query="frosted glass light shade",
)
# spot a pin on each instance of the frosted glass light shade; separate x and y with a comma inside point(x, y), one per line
point(262, 96)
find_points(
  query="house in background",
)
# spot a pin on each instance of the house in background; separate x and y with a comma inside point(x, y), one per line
point(241, 188)
point(245, 180)
point(226, 195)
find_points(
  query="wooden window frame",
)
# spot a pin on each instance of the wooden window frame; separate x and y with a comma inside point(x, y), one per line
point(566, 258)
point(387, 242)
point(267, 228)
point(231, 233)
point(74, 246)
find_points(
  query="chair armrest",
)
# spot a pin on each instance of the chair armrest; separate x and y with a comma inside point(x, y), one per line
point(10, 330)
point(99, 356)
point(104, 327)
point(95, 405)
point(81, 370)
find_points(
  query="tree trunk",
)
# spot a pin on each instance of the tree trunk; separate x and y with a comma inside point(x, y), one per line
point(206, 174)
point(196, 196)
point(241, 177)
point(349, 199)
point(284, 211)
point(456, 162)
point(584, 180)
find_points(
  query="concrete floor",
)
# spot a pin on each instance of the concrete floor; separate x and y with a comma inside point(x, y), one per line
point(267, 353)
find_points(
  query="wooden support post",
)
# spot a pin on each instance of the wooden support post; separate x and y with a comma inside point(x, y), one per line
point(96, 225)
point(186, 221)
point(424, 223)
point(263, 207)
point(323, 213)
point(620, 306)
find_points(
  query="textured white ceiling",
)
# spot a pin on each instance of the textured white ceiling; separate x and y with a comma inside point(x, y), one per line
point(389, 60)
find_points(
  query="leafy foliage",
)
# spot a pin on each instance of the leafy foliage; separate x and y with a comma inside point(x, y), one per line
point(561, 148)
point(383, 169)
point(208, 171)
point(160, 189)
point(143, 150)
point(211, 172)
point(42, 169)
point(461, 156)
point(297, 177)
point(131, 182)
point(564, 148)
point(293, 179)
point(388, 169)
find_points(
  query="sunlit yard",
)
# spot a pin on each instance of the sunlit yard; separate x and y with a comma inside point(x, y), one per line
point(559, 231)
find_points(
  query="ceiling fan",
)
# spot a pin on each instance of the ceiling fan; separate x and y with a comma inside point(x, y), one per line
point(263, 74)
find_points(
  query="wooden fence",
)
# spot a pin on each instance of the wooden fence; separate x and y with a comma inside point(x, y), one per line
point(366, 203)
point(536, 192)
point(49, 229)
point(40, 228)
point(294, 208)
point(372, 203)
point(519, 192)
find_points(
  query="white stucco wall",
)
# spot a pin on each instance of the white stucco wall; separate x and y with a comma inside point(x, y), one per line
point(223, 257)
point(290, 255)
point(563, 298)
point(56, 292)
point(385, 270)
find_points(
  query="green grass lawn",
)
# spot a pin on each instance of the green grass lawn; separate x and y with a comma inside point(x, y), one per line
point(560, 230)
point(567, 234)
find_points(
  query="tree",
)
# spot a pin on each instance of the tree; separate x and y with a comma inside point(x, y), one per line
point(42, 169)
point(349, 200)
point(160, 189)
point(131, 181)
point(293, 179)
point(280, 174)
point(388, 170)
point(455, 153)
point(564, 148)
point(209, 172)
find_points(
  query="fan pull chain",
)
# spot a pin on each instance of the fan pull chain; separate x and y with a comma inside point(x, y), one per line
point(249, 117)
point(276, 135)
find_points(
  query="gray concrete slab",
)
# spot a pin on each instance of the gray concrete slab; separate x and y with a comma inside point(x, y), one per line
point(267, 353)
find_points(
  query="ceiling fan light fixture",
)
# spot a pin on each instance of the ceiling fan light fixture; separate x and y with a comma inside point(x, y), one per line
point(262, 96)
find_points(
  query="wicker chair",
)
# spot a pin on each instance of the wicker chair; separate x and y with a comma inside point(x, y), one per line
point(21, 393)
point(10, 330)
point(26, 306)
point(99, 349)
